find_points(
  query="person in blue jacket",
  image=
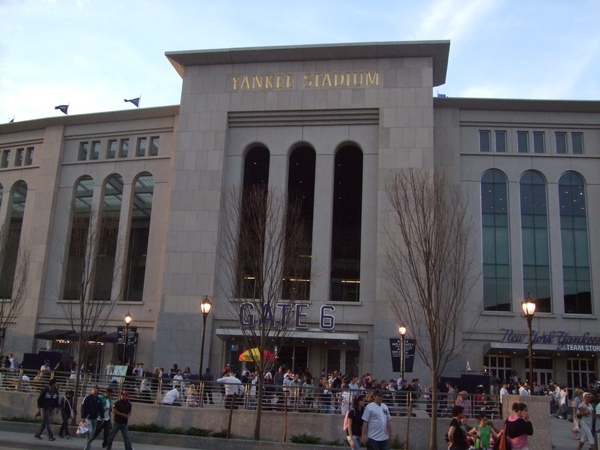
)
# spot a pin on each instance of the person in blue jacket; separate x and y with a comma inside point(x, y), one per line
point(91, 409)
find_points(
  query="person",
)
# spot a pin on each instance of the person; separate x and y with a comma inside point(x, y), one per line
point(464, 401)
point(486, 431)
point(518, 427)
point(121, 413)
point(233, 388)
point(46, 402)
point(377, 428)
point(67, 412)
point(91, 409)
point(355, 421)
point(191, 398)
point(104, 423)
point(172, 397)
point(585, 414)
point(456, 435)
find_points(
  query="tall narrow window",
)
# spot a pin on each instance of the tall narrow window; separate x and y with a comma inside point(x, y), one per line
point(154, 145)
point(500, 141)
point(78, 240)
point(111, 150)
point(301, 198)
point(577, 140)
point(254, 197)
point(20, 157)
point(107, 237)
point(561, 142)
point(485, 141)
point(495, 241)
point(138, 238)
point(523, 141)
point(346, 227)
point(11, 240)
point(5, 159)
point(84, 148)
point(539, 142)
point(29, 156)
point(575, 250)
point(124, 148)
point(141, 146)
point(95, 153)
point(534, 235)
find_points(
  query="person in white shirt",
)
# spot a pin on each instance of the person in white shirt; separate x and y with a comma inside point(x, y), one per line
point(233, 388)
point(585, 414)
point(377, 428)
point(172, 398)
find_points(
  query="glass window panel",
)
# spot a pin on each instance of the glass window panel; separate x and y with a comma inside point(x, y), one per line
point(561, 143)
point(124, 148)
point(500, 141)
point(577, 139)
point(154, 145)
point(83, 151)
point(539, 145)
point(95, 150)
point(111, 151)
point(523, 141)
point(141, 146)
point(484, 141)
point(20, 156)
point(5, 159)
point(12, 239)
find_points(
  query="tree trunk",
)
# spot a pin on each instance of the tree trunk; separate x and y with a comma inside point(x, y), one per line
point(259, 401)
point(434, 411)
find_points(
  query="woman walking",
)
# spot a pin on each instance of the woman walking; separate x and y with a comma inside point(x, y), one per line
point(355, 422)
point(518, 427)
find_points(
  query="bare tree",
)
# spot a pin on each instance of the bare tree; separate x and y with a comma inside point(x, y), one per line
point(429, 263)
point(266, 256)
point(90, 266)
point(14, 270)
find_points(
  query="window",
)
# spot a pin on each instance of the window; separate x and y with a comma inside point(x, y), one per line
point(111, 151)
point(19, 157)
point(523, 141)
point(485, 141)
point(577, 140)
point(154, 145)
point(534, 237)
point(83, 151)
point(495, 244)
point(500, 141)
point(574, 239)
point(5, 159)
point(10, 251)
point(95, 150)
point(141, 147)
point(301, 199)
point(346, 226)
point(124, 148)
point(80, 221)
point(561, 142)
point(539, 145)
point(500, 366)
point(580, 372)
point(139, 233)
point(29, 156)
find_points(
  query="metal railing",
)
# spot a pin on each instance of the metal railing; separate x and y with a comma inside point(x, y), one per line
point(204, 394)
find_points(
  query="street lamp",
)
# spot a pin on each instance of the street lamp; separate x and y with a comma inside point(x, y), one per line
point(402, 331)
point(205, 307)
point(528, 306)
point(128, 320)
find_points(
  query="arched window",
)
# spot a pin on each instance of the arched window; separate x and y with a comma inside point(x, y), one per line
point(346, 226)
point(495, 241)
point(301, 199)
point(534, 237)
point(255, 187)
point(78, 240)
point(575, 250)
point(139, 232)
point(11, 239)
point(107, 237)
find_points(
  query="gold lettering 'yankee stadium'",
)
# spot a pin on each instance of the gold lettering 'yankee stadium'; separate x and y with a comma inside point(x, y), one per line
point(309, 80)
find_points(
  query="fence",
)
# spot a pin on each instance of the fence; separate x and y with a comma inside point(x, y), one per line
point(204, 394)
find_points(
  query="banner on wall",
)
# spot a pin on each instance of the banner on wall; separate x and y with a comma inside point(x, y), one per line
point(409, 354)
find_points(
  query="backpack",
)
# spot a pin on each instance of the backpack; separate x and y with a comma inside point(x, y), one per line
point(346, 422)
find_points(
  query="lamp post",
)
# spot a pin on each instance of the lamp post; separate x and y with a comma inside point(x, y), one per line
point(128, 320)
point(528, 306)
point(205, 307)
point(402, 331)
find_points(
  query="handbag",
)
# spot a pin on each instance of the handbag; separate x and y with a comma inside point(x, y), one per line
point(83, 427)
point(502, 441)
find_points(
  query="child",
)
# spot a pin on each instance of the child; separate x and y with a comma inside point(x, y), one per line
point(485, 431)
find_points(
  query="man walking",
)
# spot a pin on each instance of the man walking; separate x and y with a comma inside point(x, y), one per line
point(91, 409)
point(585, 414)
point(46, 402)
point(377, 428)
point(121, 413)
point(104, 423)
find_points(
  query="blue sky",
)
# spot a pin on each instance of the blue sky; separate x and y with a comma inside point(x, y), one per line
point(94, 53)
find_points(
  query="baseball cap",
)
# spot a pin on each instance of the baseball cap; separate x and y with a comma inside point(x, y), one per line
point(378, 392)
point(125, 393)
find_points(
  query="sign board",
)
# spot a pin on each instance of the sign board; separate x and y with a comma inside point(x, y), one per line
point(409, 354)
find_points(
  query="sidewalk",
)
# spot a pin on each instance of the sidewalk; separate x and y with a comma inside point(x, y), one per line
point(562, 434)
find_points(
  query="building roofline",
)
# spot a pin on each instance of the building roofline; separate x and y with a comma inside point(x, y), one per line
point(438, 50)
point(92, 118)
point(497, 104)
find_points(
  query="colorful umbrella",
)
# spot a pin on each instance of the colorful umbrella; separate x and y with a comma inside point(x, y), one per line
point(254, 355)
